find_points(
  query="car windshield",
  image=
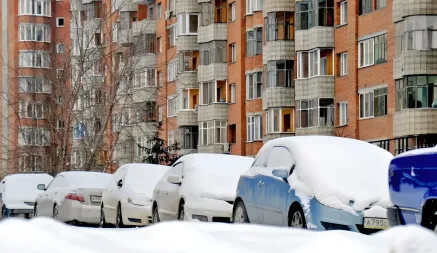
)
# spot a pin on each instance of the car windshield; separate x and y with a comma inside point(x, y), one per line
point(88, 179)
point(143, 178)
point(24, 187)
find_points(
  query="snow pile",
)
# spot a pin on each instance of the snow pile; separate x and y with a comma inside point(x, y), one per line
point(20, 188)
point(342, 173)
point(42, 235)
point(142, 178)
point(213, 176)
point(86, 179)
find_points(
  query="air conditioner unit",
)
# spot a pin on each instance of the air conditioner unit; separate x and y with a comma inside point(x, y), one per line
point(226, 148)
point(167, 14)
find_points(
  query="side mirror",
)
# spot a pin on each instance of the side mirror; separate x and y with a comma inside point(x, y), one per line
point(281, 173)
point(120, 183)
point(41, 187)
point(174, 179)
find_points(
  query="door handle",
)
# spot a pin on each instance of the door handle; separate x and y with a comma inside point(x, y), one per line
point(261, 183)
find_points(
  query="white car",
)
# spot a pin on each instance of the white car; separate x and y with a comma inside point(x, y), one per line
point(127, 198)
point(18, 193)
point(73, 197)
point(199, 187)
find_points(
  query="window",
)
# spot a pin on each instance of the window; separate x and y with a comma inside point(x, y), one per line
point(207, 91)
point(213, 52)
point(213, 132)
point(343, 13)
point(115, 32)
point(189, 136)
point(34, 59)
point(254, 128)
point(273, 120)
point(380, 48)
point(279, 26)
point(158, 11)
point(160, 78)
point(172, 70)
point(146, 44)
point(317, 62)
point(233, 51)
point(160, 113)
point(279, 73)
point(59, 22)
point(280, 157)
point(142, 145)
point(365, 53)
point(315, 112)
point(233, 93)
point(366, 6)
point(34, 32)
point(35, 7)
point(60, 48)
point(203, 130)
point(172, 106)
point(187, 61)
point(416, 92)
point(32, 110)
point(220, 131)
point(233, 12)
point(144, 78)
point(380, 4)
point(34, 85)
point(254, 85)
point(188, 23)
point(254, 42)
point(171, 141)
point(171, 36)
point(159, 45)
point(28, 136)
point(343, 64)
point(171, 5)
point(373, 103)
point(343, 113)
point(310, 13)
point(30, 163)
point(253, 5)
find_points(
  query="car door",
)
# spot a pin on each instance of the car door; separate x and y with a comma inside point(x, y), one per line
point(45, 204)
point(169, 194)
point(272, 191)
point(113, 191)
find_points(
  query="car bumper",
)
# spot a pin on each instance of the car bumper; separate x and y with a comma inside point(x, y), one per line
point(8, 212)
point(135, 215)
point(403, 216)
point(208, 210)
point(75, 211)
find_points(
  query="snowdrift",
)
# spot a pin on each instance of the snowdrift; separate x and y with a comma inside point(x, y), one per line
point(42, 235)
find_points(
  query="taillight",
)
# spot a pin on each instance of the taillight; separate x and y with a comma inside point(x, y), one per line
point(75, 196)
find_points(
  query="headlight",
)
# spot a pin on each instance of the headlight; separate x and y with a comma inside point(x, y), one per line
point(200, 217)
point(137, 202)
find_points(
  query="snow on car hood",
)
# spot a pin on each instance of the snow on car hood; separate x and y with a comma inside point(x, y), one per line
point(20, 188)
point(142, 178)
point(213, 176)
point(45, 235)
point(342, 173)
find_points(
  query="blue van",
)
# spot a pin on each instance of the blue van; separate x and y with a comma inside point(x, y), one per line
point(413, 188)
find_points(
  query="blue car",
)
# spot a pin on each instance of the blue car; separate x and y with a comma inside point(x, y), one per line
point(413, 188)
point(318, 183)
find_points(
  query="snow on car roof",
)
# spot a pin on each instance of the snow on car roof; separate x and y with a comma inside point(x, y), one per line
point(86, 179)
point(144, 176)
point(339, 172)
point(420, 151)
point(23, 186)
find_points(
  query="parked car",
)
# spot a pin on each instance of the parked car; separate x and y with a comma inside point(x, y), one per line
point(200, 187)
point(73, 197)
point(127, 198)
point(318, 183)
point(18, 193)
point(413, 188)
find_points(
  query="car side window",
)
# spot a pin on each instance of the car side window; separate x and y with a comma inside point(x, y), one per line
point(261, 160)
point(178, 169)
point(56, 183)
point(280, 157)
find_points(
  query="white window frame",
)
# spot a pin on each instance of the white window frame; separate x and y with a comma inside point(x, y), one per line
point(270, 120)
point(172, 106)
point(203, 127)
point(253, 5)
point(314, 64)
point(186, 16)
point(253, 86)
point(171, 5)
point(343, 113)
point(254, 128)
point(369, 52)
point(233, 52)
point(115, 32)
point(343, 64)
point(233, 93)
point(25, 8)
point(160, 113)
point(60, 48)
point(233, 11)
point(171, 139)
point(57, 22)
point(343, 13)
point(367, 95)
point(222, 127)
point(30, 59)
point(172, 70)
point(28, 32)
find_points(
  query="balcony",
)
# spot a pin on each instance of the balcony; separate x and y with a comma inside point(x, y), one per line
point(319, 86)
point(145, 26)
point(187, 118)
point(278, 97)
point(278, 50)
point(129, 6)
point(214, 148)
point(278, 6)
point(271, 136)
point(405, 8)
point(316, 37)
point(320, 130)
point(144, 94)
point(415, 62)
point(215, 31)
point(213, 71)
point(125, 37)
point(214, 111)
point(415, 121)
point(187, 43)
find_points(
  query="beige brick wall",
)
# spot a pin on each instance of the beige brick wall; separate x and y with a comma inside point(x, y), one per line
point(187, 118)
point(314, 38)
point(278, 50)
point(415, 121)
point(187, 42)
point(214, 71)
point(216, 111)
point(278, 97)
point(321, 86)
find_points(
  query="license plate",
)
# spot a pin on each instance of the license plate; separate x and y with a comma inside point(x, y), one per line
point(96, 199)
point(375, 223)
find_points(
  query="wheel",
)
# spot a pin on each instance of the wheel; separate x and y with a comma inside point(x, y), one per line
point(297, 218)
point(240, 214)
point(3, 214)
point(181, 215)
point(35, 211)
point(102, 223)
point(155, 215)
point(119, 218)
point(55, 212)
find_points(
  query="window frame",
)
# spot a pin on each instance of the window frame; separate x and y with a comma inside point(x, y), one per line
point(254, 128)
point(343, 64)
point(343, 113)
point(57, 22)
point(180, 24)
point(344, 13)
point(233, 52)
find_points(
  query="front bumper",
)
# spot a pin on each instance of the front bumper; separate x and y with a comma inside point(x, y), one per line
point(208, 210)
point(27, 213)
point(135, 215)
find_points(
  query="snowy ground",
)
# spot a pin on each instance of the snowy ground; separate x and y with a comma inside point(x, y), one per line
point(43, 235)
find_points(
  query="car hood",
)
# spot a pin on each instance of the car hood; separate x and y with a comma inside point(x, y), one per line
point(141, 190)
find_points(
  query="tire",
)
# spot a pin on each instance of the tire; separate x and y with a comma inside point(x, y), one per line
point(119, 218)
point(240, 214)
point(155, 215)
point(55, 212)
point(102, 223)
point(296, 219)
point(181, 214)
point(2, 215)
point(35, 211)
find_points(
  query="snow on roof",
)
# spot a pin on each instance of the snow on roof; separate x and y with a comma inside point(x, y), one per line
point(86, 179)
point(420, 151)
point(142, 178)
point(23, 187)
point(213, 175)
point(45, 235)
point(339, 172)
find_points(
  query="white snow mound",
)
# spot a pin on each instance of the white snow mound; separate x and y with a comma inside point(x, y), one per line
point(43, 235)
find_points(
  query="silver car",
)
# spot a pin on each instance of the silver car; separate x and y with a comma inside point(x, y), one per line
point(73, 197)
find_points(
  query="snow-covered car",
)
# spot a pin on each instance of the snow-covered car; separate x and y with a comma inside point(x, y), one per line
point(73, 197)
point(127, 198)
point(200, 187)
point(18, 193)
point(318, 183)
